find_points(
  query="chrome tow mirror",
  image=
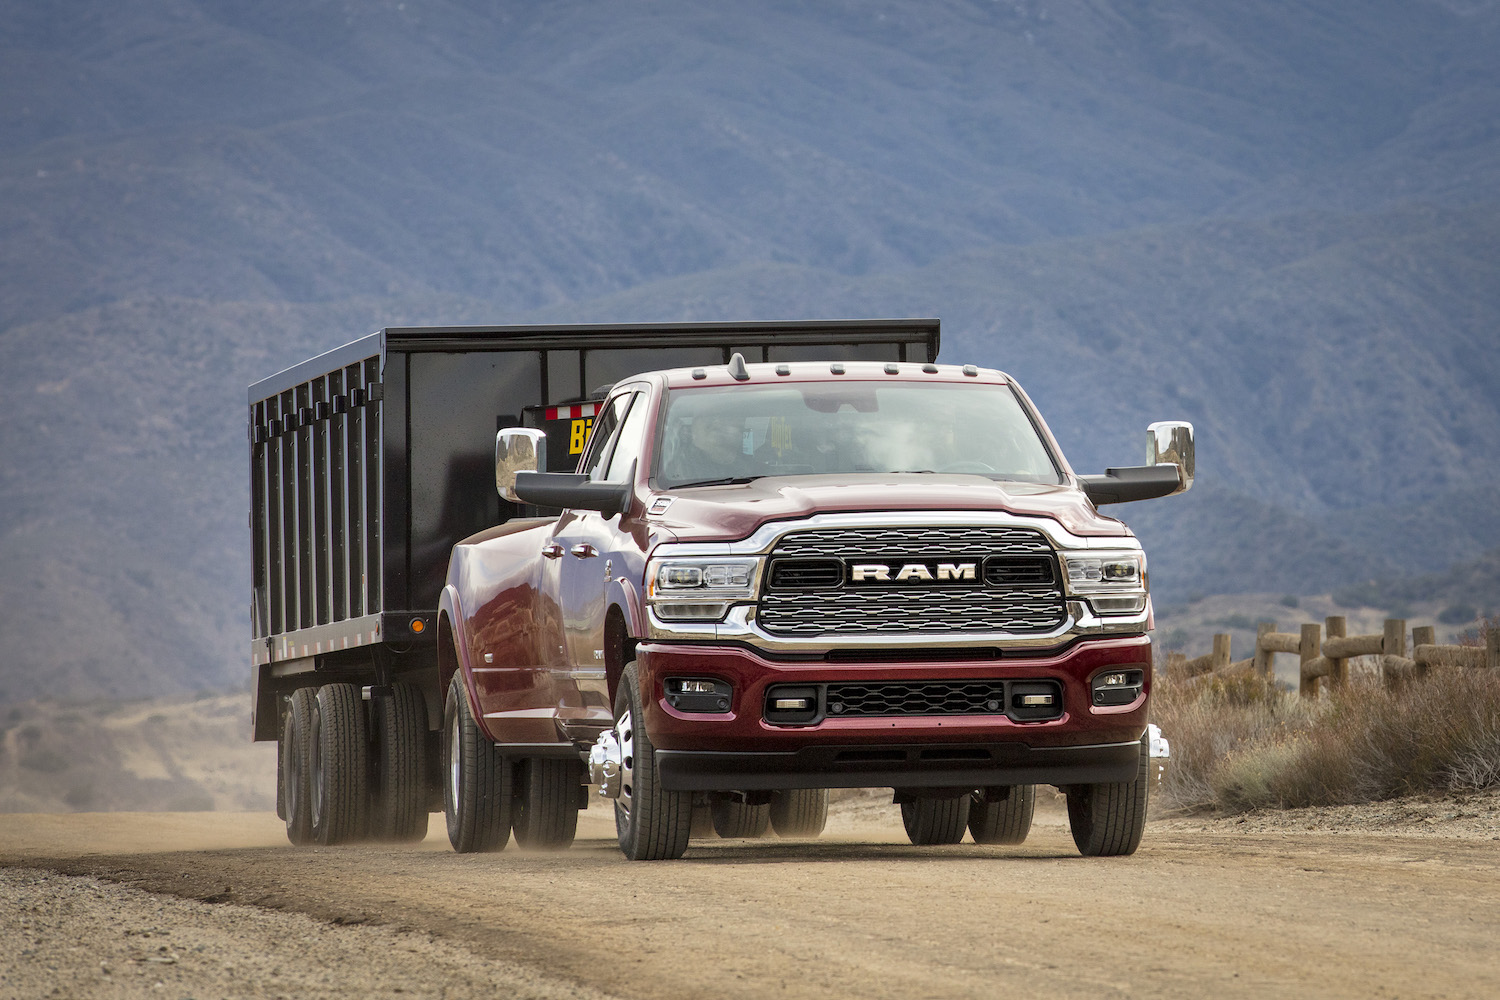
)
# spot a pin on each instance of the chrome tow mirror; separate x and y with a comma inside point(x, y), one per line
point(518, 449)
point(1170, 442)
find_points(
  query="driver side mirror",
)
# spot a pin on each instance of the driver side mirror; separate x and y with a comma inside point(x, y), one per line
point(517, 449)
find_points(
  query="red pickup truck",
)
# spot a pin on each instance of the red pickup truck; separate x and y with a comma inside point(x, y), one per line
point(768, 580)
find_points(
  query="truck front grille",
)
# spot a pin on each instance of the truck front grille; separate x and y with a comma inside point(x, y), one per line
point(941, 580)
point(934, 698)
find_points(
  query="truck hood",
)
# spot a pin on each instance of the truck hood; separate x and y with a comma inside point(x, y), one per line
point(728, 513)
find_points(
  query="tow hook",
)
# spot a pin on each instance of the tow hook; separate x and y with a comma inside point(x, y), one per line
point(605, 760)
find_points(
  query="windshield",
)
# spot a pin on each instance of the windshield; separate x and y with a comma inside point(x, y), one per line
point(718, 435)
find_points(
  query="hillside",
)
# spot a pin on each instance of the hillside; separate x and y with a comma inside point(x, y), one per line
point(1279, 221)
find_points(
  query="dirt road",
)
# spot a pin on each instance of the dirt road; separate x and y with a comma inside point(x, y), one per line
point(859, 913)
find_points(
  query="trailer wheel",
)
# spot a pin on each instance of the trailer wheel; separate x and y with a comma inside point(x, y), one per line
point(476, 781)
point(293, 753)
point(735, 819)
point(799, 812)
point(935, 821)
point(340, 765)
point(1107, 820)
point(653, 824)
point(546, 804)
point(1003, 821)
point(398, 793)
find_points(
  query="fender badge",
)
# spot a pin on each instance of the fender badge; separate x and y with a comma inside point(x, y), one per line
point(660, 505)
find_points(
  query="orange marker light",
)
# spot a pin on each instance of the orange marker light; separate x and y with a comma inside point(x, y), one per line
point(417, 625)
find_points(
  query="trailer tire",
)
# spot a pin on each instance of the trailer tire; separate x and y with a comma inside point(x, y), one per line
point(398, 786)
point(476, 781)
point(293, 782)
point(545, 811)
point(799, 812)
point(1006, 821)
point(652, 823)
point(935, 821)
point(340, 768)
point(734, 819)
point(1107, 820)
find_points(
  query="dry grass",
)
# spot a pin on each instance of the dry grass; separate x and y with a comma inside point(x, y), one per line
point(1244, 745)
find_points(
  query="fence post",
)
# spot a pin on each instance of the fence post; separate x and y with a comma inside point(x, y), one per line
point(1221, 650)
point(1265, 660)
point(1424, 635)
point(1307, 651)
point(1492, 647)
point(1393, 644)
point(1336, 627)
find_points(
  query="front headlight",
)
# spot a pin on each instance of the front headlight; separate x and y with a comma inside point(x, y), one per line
point(700, 588)
point(1114, 583)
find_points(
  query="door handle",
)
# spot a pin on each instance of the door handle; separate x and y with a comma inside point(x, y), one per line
point(584, 550)
point(552, 551)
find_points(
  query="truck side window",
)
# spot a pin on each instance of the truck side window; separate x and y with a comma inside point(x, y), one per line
point(605, 425)
point(629, 442)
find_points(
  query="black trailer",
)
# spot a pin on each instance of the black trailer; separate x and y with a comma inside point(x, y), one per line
point(369, 462)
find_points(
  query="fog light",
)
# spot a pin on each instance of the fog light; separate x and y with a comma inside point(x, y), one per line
point(793, 704)
point(1118, 687)
point(702, 695)
point(1034, 700)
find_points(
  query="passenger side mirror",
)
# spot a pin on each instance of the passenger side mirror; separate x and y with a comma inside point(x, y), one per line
point(1168, 469)
point(1171, 441)
point(517, 449)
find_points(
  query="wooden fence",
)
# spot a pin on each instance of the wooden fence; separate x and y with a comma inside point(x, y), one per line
point(1327, 657)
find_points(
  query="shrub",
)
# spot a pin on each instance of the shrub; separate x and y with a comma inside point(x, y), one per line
point(1236, 746)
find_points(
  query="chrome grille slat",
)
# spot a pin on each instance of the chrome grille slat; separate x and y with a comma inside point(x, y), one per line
point(915, 543)
point(946, 610)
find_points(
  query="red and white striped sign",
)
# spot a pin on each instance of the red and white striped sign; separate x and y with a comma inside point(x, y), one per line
point(572, 412)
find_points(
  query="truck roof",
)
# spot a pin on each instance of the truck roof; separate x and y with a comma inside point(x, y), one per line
point(822, 371)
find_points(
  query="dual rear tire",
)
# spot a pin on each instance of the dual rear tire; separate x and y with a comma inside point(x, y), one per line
point(346, 774)
point(487, 795)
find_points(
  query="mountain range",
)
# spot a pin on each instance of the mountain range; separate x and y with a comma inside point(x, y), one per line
point(1280, 221)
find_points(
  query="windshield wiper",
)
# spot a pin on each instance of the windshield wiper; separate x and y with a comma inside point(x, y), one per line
point(727, 481)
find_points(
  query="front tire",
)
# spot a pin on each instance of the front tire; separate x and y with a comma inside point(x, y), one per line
point(1107, 820)
point(1003, 821)
point(476, 781)
point(653, 824)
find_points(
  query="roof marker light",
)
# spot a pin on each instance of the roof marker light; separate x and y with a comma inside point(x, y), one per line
point(892, 369)
point(783, 369)
point(970, 371)
point(836, 368)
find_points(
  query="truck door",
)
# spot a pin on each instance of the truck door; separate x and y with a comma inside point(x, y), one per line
point(586, 542)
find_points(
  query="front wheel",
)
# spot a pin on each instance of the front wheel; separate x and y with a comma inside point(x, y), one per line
point(653, 824)
point(1107, 820)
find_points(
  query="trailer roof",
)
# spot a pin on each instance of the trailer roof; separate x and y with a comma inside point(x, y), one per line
point(605, 335)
